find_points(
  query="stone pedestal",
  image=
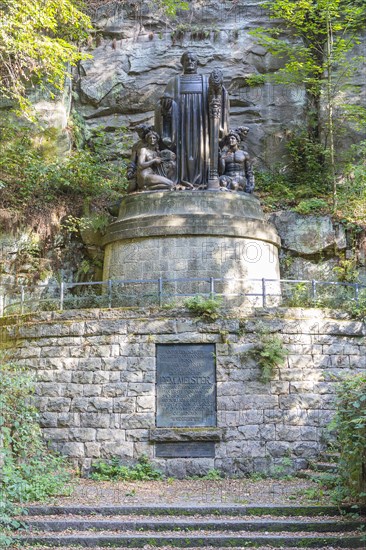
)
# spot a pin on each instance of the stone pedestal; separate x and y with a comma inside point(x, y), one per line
point(194, 234)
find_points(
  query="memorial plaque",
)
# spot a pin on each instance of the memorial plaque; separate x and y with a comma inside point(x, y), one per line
point(186, 385)
point(188, 449)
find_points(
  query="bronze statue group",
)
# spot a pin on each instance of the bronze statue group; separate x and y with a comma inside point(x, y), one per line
point(190, 145)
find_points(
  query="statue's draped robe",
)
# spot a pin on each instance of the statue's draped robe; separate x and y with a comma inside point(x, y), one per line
point(187, 130)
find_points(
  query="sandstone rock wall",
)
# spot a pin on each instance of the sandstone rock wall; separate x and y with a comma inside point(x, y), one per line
point(97, 382)
point(137, 49)
point(311, 245)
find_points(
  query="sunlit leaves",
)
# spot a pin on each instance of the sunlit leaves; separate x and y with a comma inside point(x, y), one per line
point(310, 23)
point(350, 423)
point(37, 45)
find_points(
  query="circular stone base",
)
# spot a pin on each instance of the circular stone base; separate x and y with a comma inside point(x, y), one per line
point(193, 234)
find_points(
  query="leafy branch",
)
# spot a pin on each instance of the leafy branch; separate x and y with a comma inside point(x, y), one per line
point(38, 45)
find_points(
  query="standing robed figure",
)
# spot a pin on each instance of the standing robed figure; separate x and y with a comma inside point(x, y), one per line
point(183, 121)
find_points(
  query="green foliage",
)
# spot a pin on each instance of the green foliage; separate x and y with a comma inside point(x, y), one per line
point(113, 470)
point(351, 188)
point(346, 271)
point(305, 178)
point(257, 476)
point(204, 308)
point(171, 7)
point(255, 80)
point(312, 206)
point(8, 522)
point(93, 222)
point(325, 295)
point(29, 471)
point(309, 22)
point(335, 296)
point(313, 493)
point(212, 475)
point(84, 297)
point(269, 353)
point(350, 426)
point(38, 45)
point(357, 308)
point(31, 175)
point(308, 163)
point(281, 471)
point(274, 189)
point(319, 58)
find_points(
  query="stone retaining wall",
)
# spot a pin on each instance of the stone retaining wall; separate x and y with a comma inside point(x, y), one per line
point(96, 389)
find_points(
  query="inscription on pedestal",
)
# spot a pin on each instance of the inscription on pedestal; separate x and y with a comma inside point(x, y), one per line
point(188, 449)
point(186, 385)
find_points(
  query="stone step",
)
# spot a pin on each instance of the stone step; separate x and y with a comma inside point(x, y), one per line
point(329, 456)
point(190, 527)
point(288, 525)
point(315, 475)
point(194, 540)
point(330, 467)
point(191, 510)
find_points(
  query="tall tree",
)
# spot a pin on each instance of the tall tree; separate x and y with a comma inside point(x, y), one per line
point(38, 41)
point(315, 38)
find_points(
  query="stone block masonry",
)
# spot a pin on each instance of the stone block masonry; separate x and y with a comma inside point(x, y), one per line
point(96, 388)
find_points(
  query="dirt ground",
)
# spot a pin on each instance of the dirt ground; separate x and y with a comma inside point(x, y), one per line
point(193, 491)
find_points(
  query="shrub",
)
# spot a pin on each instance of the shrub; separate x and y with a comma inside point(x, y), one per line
point(270, 354)
point(33, 173)
point(297, 295)
point(29, 470)
point(357, 309)
point(346, 271)
point(312, 206)
point(212, 475)
point(113, 470)
point(204, 308)
point(273, 188)
point(352, 188)
point(308, 164)
point(350, 426)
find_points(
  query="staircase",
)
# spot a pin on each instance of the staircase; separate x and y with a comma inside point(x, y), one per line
point(191, 526)
point(324, 470)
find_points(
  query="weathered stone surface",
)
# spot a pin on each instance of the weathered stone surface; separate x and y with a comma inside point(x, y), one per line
point(73, 450)
point(82, 434)
point(186, 434)
point(308, 235)
point(304, 269)
point(92, 449)
point(204, 234)
point(94, 420)
point(131, 65)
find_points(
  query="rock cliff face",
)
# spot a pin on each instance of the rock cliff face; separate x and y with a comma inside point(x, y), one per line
point(136, 51)
point(310, 245)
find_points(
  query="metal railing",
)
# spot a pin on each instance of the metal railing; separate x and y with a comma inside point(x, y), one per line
point(20, 299)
